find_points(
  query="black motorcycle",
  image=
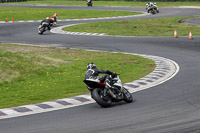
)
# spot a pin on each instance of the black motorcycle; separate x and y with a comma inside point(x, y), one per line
point(104, 96)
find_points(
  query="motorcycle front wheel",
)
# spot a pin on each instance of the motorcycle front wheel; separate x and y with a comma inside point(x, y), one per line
point(41, 30)
point(97, 95)
point(127, 96)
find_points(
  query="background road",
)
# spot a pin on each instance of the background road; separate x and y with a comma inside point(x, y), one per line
point(172, 107)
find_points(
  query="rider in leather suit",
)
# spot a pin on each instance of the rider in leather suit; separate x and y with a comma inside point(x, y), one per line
point(93, 73)
point(54, 18)
point(47, 20)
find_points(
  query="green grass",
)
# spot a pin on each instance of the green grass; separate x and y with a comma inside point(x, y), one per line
point(20, 13)
point(107, 3)
point(141, 27)
point(30, 74)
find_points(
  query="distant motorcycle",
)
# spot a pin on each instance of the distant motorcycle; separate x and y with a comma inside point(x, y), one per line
point(42, 28)
point(89, 3)
point(152, 8)
point(104, 97)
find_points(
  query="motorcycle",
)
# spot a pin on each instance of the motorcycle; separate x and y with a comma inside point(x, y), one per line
point(104, 96)
point(153, 10)
point(42, 28)
point(89, 3)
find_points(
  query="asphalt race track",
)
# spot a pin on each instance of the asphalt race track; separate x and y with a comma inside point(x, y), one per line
point(171, 107)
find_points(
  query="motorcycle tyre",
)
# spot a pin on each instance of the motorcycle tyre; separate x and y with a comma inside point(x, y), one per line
point(127, 96)
point(41, 31)
point(99, 100)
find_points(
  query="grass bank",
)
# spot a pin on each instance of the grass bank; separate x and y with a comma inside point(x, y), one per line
point(107, 3)
point(20, 13)
point(141, 27)
point(31, 74)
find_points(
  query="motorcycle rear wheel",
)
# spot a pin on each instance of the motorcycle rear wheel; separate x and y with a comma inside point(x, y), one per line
point(97, 95)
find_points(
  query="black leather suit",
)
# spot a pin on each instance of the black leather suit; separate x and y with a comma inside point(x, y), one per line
point(94, 74)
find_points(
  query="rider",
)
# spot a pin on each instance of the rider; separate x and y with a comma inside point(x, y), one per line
point(156, 7)
point(48, 21)
point(93, 72)
point(148, 5)
point(54, 18)
point(151, 4)
point(89, 1)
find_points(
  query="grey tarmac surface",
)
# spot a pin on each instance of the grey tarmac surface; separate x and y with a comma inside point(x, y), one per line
point(172, 107)
point(192, 21)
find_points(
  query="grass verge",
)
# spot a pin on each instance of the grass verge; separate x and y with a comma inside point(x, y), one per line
point(21, 13)
point(108, 3)
point(31, 74)
point(141, 27)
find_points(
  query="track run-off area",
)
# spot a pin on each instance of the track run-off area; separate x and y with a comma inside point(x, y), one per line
point(170, 107)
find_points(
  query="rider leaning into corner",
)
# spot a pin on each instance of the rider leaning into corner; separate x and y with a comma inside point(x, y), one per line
point(151, 4)
point(48, 21)
point(93, 73)
point(54, 18)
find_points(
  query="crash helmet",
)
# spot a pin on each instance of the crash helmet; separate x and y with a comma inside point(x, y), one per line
point(91, 65)
point(47, 17)
point(55, 14)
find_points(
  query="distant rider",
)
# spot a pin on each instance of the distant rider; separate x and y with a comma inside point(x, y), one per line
point(150, 5)
point(54, 18)
point(89, 2)
point(46, 21)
